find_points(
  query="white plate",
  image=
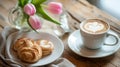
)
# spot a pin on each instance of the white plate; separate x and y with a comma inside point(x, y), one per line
point(75, 44)
point(57, 52)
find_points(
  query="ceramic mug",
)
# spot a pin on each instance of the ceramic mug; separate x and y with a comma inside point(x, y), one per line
point(94, 32)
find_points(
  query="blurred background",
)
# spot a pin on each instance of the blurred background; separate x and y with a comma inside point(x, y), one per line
point(112, 7)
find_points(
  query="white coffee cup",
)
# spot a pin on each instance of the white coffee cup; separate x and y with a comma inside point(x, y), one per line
point(94, 32)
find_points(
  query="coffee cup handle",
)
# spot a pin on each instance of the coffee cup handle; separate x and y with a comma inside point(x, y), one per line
point(116, 38)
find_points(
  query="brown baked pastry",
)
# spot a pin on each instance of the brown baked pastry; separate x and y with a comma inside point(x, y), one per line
point(30, 54)
point(27, 50)
point(47, 47)
point(23, 42)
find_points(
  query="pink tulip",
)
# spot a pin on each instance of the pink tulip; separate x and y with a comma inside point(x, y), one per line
point(29, 9)
point(55, 7)
point(35, 22)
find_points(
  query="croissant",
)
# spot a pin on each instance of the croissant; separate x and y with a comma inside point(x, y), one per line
point(47, 47)
point(30, 54)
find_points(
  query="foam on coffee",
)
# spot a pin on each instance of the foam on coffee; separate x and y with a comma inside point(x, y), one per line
point(95, 26)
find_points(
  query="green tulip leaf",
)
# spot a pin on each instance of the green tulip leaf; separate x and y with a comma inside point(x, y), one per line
point(22, 3)
point(44, 15)
point(36, 2)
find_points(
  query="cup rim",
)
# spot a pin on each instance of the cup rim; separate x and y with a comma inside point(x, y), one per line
point(94, 33)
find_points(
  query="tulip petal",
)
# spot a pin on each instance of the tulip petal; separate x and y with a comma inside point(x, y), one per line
point(29, 9)
point(35, 22)
point(55, 7)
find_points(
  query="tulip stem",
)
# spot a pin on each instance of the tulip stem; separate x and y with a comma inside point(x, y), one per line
point(42, 13)
point(44, 5)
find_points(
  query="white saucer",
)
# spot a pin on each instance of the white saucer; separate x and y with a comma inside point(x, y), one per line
point(57, 52)
point(75, 44)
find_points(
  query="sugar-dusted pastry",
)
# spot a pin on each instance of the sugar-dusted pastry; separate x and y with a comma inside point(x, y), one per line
point(47, 47)
point(22, 42)
point(30, 54)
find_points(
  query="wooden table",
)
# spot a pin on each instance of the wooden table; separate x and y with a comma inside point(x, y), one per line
point(77, 10)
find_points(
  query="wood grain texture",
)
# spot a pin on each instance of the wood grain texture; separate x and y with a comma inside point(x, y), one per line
point(81, 10)
point(77, 10)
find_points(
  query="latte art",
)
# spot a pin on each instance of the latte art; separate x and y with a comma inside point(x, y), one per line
point(94, 27)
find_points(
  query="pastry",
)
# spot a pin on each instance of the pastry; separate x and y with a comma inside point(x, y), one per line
point(27, 50)
point(22, 42)
point(30, 54)
point(31, 51)
point(47, 47)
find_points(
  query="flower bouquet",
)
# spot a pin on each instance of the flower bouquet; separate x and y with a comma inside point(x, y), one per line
point(29, 13)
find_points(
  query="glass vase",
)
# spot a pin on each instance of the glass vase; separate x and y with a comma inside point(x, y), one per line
point(18, 20)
